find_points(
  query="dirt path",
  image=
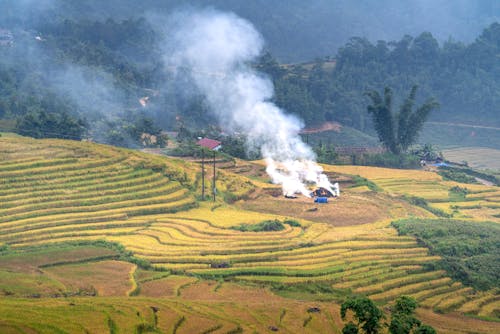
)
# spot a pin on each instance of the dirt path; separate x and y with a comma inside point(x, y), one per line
point(327, 126)
point(465, 125)
point(485, 182)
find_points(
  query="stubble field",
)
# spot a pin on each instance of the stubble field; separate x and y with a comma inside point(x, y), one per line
point(94, 232)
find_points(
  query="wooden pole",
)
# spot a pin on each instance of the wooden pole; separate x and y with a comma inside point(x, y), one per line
point(202, 174)
point(214, 189)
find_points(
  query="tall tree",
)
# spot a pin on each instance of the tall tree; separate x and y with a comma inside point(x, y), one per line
point(367, 314)
point(403, 320)
point(381, 110)
point(398, 131)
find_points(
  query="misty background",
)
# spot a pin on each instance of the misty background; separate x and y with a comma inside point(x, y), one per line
point(294, 30)
point(99, 69)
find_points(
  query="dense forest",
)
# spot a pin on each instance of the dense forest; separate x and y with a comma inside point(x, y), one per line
point(294, 30)
point(468, 250)
point(465, 79)
point(92, 74)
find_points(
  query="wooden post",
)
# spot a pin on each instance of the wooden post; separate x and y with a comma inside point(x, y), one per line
point(202, 174)
point(214, 188)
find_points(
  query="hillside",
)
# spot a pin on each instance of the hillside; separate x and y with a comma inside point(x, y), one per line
point(90, 232)
point(312, 29)
point(68, 72)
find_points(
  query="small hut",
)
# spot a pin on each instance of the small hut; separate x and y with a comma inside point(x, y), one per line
point(211, 144)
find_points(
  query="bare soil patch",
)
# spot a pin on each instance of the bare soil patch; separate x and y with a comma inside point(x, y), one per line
point(347, 210)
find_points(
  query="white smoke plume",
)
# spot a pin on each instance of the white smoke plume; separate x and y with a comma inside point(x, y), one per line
point(216, 49)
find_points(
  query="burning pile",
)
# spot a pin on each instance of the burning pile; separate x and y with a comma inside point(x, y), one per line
point(211, 41)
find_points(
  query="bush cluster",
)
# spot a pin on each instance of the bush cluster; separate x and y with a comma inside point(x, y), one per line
point(469, 250)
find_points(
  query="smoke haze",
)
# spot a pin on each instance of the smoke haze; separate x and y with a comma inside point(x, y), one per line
point(91, 91)
point(216, 49)
point(297, 30)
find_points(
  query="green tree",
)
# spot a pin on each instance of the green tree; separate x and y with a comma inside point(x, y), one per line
point(398, 131)
point(425, 329)
point(366, 313)
point(383, 119)
point(405, 305)
point(42, 124)
point(403, 320)
point(350, 328)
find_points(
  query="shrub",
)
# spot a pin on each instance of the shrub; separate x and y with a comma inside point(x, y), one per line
point(457, 176)
point(469, 250)
point(361, 181)
point(467, 174)
point(425, 329)
point(265, 226)
point(458, 193)
point(292, 222)
point(421, 202)
point(4, 249)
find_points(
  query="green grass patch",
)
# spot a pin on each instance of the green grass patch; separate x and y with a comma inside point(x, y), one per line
point(457, 176)
point(421, 202)
point(470, 251)
point(292, 222)
point(466, 175)
point(265, 226)
point(361, 181)
point(458, 194)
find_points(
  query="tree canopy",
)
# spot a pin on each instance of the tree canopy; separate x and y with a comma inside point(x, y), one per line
point(397, 131)
point(463, 77)
point(365, 312)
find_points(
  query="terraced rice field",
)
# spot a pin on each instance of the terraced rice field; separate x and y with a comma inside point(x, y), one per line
point(54, 191)
point(78, 189)
point(481, 203)
point(476, 157)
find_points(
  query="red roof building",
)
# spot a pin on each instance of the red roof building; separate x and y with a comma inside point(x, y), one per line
point(210, 144)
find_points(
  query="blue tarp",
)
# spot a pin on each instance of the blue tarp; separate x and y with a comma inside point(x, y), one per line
point(321, 200)
point(440, 164)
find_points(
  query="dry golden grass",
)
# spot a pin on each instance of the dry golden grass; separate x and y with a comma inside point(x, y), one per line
point(455, 323)
point(474, 306)
point(205, 305)
point(409, 289)
point(435, 300)
point(378, 173)
point(491, 308)
point(338, 243)
point(28, 262)
point(397, 282)
point(165, 287)
point(452, 301)
point(108, 278)
point(225, 216)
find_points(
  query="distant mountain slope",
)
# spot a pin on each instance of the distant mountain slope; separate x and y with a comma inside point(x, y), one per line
point(63, 65)
point(297, 30)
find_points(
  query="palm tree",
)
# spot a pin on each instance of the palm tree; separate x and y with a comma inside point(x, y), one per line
point(397, 132)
